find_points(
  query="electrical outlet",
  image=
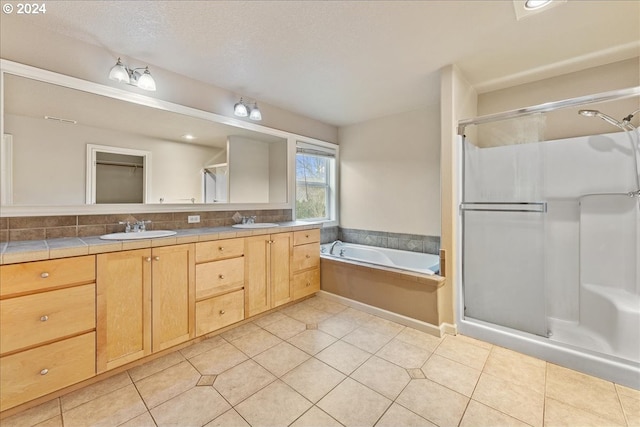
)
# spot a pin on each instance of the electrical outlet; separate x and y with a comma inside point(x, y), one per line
point(192, 219)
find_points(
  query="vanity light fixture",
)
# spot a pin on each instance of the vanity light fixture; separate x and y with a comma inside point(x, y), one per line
point(122, 73)
point(242, 110)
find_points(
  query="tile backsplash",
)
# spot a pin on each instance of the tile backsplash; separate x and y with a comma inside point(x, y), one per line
point(51, 227)
point(383, 239)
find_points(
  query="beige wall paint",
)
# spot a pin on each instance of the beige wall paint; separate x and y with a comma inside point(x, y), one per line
point(390, 173)
point(26, 43)
point(458, 101)
point(562, 123)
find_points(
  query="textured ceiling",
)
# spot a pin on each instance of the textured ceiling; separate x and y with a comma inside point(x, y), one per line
point(344, 62)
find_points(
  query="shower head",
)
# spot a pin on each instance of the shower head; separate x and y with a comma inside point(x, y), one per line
point(606, 118)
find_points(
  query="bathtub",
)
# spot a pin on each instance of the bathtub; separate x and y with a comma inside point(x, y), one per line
point(404, 260)
point(399, 285)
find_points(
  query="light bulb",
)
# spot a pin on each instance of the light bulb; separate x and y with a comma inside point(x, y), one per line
point(255, 113)
point(240, 109)
point(146, 82)
point(119, 73)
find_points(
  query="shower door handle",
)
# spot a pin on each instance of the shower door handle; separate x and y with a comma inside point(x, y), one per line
point(539, 207)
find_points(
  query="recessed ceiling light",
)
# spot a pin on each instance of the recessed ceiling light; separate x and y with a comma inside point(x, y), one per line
point(535, 4)
point(188, 137)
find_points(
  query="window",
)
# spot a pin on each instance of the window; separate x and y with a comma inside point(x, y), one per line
point(316, 182)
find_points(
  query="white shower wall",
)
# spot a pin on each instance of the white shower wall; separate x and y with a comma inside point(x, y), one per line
point(558, 172)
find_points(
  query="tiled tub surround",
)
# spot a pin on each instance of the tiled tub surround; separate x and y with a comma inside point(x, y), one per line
point(13, 229)
point(383, 239)
point(319, 363)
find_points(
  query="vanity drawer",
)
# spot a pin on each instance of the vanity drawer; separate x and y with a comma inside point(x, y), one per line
point(33, 373)
point(218, 312)
point(305, 257)
point(219, 276)
point(31, 277)
point(306, 236)
point(219, 249)
point(306, 283)
point(30, 320)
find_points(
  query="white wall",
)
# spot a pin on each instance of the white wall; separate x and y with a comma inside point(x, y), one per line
point(390, 173)
point(248, 170)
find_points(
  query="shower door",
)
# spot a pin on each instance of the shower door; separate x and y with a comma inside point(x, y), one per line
point(503, 220)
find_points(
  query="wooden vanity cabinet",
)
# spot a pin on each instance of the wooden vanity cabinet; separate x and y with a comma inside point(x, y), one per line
point(47, 327)
point(219, 284)
point(267, 272)
point(305, 268)
point(145, 302)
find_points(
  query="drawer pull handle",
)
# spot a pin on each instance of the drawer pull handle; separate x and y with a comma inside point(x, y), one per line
point(45, 371)
point(44, 275)
point(221, 312)
point(157, 258)
point(148, 259)
point(221, 276)
point(44, 318)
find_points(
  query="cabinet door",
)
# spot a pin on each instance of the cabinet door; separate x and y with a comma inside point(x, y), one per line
point(281, 248)
point(173, 293)
point(123, 288)
point(256, 275)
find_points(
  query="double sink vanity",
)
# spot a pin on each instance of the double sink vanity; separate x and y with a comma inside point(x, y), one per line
point(103, 303)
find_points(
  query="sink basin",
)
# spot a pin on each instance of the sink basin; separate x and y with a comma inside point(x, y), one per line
point(150, 234)
point(256, 225)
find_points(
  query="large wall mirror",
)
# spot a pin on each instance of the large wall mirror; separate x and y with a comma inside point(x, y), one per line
point(65, 146)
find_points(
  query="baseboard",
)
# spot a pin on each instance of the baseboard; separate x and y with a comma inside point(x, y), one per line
point(434, 330)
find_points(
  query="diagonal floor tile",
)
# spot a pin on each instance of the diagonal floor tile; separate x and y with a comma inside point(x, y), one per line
point(324, 304)
point(456, 348)
point(404, 354)
point(281, 359)
point(479, 415)
point(256, 342)
point(433, 402)
point(454, 375)
point(343, 356)
point(313, 379)
point(229, 419)
point(316, 417)
point(218, 360)
point(584, 392)
point(93, 391)
point(382, 376)
point(353, 404)
point(398, 415)
point(337, 326)
point(275, 405)
point(110, 409)
point(166, 384)
point(155, 366)
point(35, 415)
point(195, 407)
point(242, 381)
point(516, 367)
point(558, 414)
point(312, 341)
point(367, 339)
point(202, 346)
point(419, 339)
point(513, 399)
point(286, 328)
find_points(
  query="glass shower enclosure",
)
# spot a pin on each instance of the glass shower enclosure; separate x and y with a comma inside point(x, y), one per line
point(550, 242)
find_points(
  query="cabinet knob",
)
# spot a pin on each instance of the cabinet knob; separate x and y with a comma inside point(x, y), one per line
point(307, 256)
point(45, 371)
point(221, 312)
point(148, 259)
point(221, 276)
point(308, 283)
point(306, 235)
point(44, 275)
point(221, 248)
point(157, 258)
point(44, 318)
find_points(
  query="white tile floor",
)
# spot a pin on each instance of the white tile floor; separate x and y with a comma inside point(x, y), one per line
point(318, 363)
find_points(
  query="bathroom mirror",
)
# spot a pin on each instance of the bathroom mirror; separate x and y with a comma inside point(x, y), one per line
point(50, 129)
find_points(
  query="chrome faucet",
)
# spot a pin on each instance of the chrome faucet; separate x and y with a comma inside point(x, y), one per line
point(249, 219)
point(333, 245)
point(136, 227)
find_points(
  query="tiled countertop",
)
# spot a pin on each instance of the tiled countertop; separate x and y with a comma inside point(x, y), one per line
point(37, 250)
